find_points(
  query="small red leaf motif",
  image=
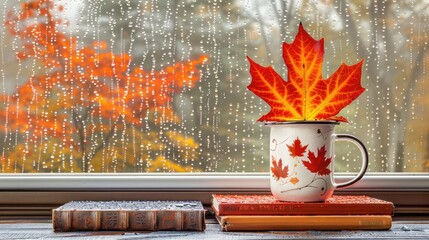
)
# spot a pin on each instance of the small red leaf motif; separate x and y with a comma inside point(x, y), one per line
point(277, 169)
point(318, 164)
point(297, 149)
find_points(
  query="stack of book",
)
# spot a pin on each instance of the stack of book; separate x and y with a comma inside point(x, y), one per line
point(265, 213)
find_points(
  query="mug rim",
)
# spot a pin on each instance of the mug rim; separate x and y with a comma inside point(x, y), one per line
point(302, 122)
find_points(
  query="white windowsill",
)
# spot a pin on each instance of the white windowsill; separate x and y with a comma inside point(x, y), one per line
point(196, 182)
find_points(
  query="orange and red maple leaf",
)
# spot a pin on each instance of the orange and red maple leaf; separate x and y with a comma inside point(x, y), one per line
point(294, 180)
point(306, 95)
point(318, 164)
point(278, 170)
point(297, 149)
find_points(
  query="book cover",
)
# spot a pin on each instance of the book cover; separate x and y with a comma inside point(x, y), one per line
point(268, 205)
point(129, 215)
point(332, 222)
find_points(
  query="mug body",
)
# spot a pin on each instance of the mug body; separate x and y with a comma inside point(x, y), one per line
point(301, 160)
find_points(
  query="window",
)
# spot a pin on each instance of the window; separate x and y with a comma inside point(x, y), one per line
point(160, 86)
point(92, 88)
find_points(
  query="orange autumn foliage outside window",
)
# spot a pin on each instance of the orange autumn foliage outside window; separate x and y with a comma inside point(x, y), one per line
point(86, 89)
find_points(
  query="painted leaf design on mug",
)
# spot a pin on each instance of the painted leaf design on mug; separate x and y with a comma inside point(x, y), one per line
point(294, 180)
point(278, 170)
point(318, 164)
point(297, 149)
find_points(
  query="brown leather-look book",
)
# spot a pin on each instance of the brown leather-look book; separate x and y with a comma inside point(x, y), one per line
point(129, 216)
point(224, 205)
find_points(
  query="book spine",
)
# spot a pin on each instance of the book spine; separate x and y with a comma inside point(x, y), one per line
point(266, 223)
point(180, 220)
point(141, 220)
point(301, 209)
point(85, 220)
point(65, 220)
point(61, 221)
point(168, 220)
point(193, 221)
point(114, 220)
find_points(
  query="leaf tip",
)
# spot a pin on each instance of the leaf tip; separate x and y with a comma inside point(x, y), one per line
point(358, 65)
point(301, 27)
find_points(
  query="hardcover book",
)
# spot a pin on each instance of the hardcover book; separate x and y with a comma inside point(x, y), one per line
point(267, 205)
point(314, 222)
point(129, 215)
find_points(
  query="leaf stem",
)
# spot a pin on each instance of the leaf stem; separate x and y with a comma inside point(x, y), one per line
point(276, 144)
point(309, 185)
point(293, 170)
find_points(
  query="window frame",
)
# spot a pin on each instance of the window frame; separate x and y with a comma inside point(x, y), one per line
point(24, 191)
point(196, 181)
point(35, 195)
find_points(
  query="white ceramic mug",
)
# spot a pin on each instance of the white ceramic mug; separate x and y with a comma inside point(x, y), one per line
point(302, 160)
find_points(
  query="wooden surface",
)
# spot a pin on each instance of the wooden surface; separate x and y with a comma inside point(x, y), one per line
point(42, 229)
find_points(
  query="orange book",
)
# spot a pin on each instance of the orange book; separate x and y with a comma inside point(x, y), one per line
point(316, 222)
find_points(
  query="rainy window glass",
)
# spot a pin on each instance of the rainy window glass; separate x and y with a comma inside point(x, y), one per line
point(160, 86)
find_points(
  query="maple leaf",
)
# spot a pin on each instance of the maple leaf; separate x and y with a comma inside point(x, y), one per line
point(318, 164)
point(296, 149)
point(277, 169)
point(306, 95)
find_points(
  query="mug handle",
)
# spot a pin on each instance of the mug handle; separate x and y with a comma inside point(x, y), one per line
point(362, 148)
